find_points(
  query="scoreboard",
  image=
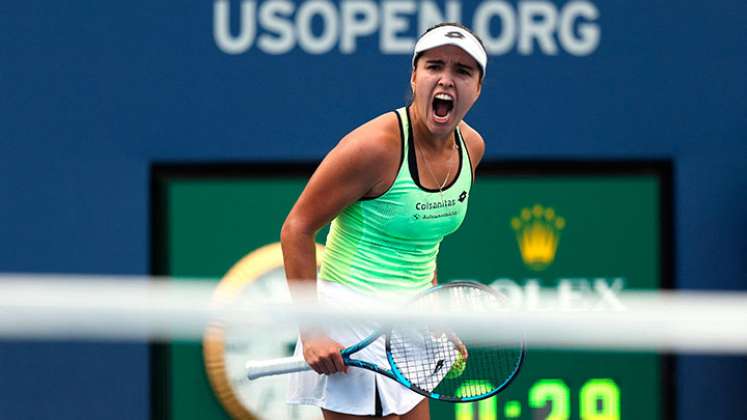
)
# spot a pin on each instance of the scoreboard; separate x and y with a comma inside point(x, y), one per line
point(579, 232)
point(583, 231)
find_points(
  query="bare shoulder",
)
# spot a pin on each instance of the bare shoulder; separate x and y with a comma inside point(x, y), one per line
point(369, 153)
point(355, 168)
point(475, 143)
point(379, 138)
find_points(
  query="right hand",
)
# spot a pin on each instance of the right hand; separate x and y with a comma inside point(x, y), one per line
point(323, 354)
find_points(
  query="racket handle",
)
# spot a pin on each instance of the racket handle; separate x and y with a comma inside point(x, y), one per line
point(258, 369)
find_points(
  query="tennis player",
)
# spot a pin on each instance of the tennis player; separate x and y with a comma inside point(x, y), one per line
point(392, 189)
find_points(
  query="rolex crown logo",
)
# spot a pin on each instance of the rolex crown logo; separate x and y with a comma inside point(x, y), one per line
point(537, 233)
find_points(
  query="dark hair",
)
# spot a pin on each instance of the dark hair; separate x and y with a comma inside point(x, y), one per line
point(458, 25)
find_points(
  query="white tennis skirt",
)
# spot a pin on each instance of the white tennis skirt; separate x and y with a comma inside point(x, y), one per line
point(353, 392)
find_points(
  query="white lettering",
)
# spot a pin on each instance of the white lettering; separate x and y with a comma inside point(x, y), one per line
point(511, 290)
point(222, 27)
point(608, 294)
point(533, 296)
point(483, 16)
point(430, 15)
point(589, 39)
point(574, 294)
point(538, 20)
point(570, 294)
point(271, 16)
point(318, 26)
point(306, 38)
point(352, 28)
point(393, 23)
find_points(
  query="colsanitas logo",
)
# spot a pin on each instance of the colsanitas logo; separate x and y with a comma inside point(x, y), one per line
point(435, 204)
point(321, 26)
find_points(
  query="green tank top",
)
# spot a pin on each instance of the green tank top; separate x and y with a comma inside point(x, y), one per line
point(390, 242)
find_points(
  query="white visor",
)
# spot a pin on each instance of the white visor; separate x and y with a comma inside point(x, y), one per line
point(452, 35)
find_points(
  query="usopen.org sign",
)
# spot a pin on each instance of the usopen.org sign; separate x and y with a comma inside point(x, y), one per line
point(322, 26)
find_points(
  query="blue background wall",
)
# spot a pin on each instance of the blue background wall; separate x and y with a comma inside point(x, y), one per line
point(91, 93)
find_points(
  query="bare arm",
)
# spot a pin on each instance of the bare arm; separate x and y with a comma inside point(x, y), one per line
point(344, 176)
point(350, 171)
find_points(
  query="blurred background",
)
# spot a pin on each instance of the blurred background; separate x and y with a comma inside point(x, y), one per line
point(172, 138)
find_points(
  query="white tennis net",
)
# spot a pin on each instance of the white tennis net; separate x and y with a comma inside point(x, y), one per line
point(145, 308)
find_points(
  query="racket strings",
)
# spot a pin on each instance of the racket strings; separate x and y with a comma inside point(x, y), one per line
point(423, 357)
point(426, 356)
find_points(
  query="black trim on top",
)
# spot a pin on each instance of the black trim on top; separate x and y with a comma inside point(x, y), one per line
point(412, 160)
point(401, 159)
point(469, 158)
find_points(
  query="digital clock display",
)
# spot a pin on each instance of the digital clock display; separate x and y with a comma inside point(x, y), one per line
point(598, 399)
point(571, 391)
point(582, 235)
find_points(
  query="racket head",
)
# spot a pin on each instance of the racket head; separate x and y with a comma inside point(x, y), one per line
point(422, 358)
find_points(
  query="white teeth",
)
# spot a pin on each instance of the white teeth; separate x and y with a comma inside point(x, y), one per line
point(444, 97)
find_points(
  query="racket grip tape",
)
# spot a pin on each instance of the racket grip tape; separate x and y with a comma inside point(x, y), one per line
point(258, 369)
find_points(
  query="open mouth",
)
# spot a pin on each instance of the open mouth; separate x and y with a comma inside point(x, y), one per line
point(442, 105)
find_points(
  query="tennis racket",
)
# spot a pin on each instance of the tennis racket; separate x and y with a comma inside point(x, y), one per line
point(422, 359)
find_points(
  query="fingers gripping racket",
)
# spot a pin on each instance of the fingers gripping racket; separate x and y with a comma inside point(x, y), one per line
point(432, 362)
